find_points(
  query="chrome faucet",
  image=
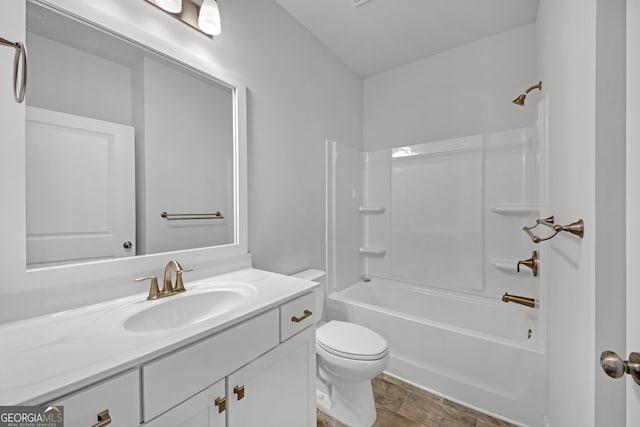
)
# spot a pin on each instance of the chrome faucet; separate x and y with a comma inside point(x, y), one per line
point(168, 288)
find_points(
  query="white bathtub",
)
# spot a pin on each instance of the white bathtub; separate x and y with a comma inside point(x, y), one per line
point(474, 351)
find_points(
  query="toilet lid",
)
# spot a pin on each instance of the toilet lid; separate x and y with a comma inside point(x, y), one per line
point(351, 341)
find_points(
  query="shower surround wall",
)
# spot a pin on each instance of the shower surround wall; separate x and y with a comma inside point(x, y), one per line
point(454, 212)
point(442, 235)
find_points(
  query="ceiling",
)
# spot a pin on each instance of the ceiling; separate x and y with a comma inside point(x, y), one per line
point(383, 34)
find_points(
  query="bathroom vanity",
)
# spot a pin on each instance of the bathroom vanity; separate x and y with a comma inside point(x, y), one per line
point(250, 362)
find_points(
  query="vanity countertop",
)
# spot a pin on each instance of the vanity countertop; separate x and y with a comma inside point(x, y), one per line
point(46, 357)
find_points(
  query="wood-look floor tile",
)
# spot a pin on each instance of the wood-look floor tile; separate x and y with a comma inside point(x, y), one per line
point(325, 420)
point(486, 419)
point(410, 388)
point(388, 395)
point(432, 414)
point(388, 418)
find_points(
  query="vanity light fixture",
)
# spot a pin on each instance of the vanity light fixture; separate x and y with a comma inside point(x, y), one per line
point(209, 18)
point(171, 6)
point(203, 15)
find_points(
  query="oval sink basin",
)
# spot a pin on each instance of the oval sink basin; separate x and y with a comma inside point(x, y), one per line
point(184, 309)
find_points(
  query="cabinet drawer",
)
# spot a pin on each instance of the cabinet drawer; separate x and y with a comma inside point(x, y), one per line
point(120, 396)
point(174, 378)
point(294, 315)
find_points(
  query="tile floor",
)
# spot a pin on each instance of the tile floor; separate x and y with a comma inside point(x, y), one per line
point(402, 405)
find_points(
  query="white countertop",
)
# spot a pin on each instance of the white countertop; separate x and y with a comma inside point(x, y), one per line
point(46, 357)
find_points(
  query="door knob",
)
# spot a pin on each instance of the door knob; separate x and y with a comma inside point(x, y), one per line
point(615, 367)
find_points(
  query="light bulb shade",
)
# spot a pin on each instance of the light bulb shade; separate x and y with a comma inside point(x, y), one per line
point(209, 18)
point(171, 6)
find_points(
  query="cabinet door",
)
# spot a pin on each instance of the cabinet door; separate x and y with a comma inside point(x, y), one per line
point(278, 389)
point(118, 399)
point(205, 409)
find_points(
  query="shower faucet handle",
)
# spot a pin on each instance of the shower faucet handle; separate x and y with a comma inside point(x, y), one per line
point(532, 263)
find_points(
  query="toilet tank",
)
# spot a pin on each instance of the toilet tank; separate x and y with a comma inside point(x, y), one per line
point(320, 292)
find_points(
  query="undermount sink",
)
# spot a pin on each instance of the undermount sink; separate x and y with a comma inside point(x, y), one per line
point(185, 309)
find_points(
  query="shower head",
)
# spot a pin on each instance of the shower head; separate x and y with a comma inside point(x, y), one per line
point(520, 99)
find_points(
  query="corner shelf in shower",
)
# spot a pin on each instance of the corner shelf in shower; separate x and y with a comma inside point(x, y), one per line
point(520, 210)
point(373, 251)
point(508, 265)
point(371, 209)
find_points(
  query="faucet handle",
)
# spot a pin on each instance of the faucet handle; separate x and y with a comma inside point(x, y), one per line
point(179, 283)
point(154, 292)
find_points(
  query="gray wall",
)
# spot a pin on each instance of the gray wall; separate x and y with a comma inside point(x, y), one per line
point(299, 94)
point(462, 91)
point(71, 81)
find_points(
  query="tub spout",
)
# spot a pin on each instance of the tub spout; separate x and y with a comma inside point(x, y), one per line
point(529, 302)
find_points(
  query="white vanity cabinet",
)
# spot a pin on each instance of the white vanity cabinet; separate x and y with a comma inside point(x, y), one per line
point(278, 389)
point(275, 390)
point(116, 399)
point(258, 372)
point(205, 409)
point(262, 377)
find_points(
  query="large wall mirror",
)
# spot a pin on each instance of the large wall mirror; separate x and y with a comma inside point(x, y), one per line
point(128, 152)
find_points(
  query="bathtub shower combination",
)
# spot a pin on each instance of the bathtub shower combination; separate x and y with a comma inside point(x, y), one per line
point(422, 243)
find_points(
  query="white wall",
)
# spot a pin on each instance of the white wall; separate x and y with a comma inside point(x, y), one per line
point(582, 57)
point(299, 94)
point(463, 91)
point(566, 46)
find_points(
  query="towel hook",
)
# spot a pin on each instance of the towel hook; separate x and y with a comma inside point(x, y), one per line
point(575, 228)
point(19, 64)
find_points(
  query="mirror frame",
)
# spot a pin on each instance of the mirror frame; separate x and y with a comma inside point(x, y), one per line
point(142, 24)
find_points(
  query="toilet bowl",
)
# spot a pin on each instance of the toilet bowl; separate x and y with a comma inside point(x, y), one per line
point(348, 356)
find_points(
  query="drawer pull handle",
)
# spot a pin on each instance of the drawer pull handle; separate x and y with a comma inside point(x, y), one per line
point(239, 390)
point(221, 403)
point(104, 419)
point(307, 313)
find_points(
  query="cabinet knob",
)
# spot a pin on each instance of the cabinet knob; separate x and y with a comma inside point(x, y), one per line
point(239, 391)
point(221, 403)
point(127, 244)
point(104, 419)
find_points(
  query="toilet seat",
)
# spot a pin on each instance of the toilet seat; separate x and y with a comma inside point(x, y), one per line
point(351, 341)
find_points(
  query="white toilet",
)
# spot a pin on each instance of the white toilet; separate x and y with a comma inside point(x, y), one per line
point(348, 356)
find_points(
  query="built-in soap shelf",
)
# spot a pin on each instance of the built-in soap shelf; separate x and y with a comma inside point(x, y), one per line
point(507, 265)
point(520, 210)
point(366, 251)
point(371, 209)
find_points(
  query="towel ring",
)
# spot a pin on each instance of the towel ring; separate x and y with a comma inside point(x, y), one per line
point(19, 69)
